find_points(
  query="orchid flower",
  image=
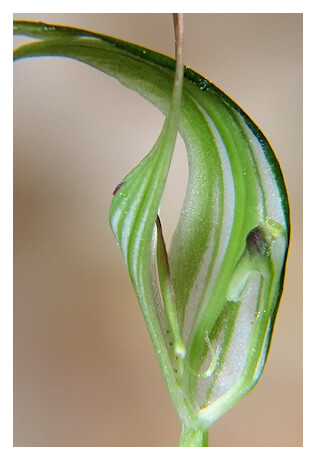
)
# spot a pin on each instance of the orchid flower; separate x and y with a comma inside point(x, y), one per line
point(210, 301)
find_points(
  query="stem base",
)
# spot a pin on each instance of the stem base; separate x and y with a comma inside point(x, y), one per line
point(193, 437)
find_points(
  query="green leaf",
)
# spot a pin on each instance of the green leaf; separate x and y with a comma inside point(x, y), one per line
point(210, 304)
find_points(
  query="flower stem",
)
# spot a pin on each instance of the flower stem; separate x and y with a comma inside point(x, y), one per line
point(193, 437)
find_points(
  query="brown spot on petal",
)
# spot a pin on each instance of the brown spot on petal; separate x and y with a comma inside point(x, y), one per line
point(257, 243)
point(118, 187)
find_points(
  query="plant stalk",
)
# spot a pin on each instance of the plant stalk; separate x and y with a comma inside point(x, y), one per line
point(193, 437)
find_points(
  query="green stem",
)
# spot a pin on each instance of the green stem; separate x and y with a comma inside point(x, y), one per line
point(193, 437)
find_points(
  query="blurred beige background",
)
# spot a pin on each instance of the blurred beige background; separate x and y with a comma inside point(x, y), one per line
point(84, 369)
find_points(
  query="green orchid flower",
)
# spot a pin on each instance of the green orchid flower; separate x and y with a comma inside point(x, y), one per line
point(210, 301)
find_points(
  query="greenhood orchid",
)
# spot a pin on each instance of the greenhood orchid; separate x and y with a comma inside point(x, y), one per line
point(211, 299)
